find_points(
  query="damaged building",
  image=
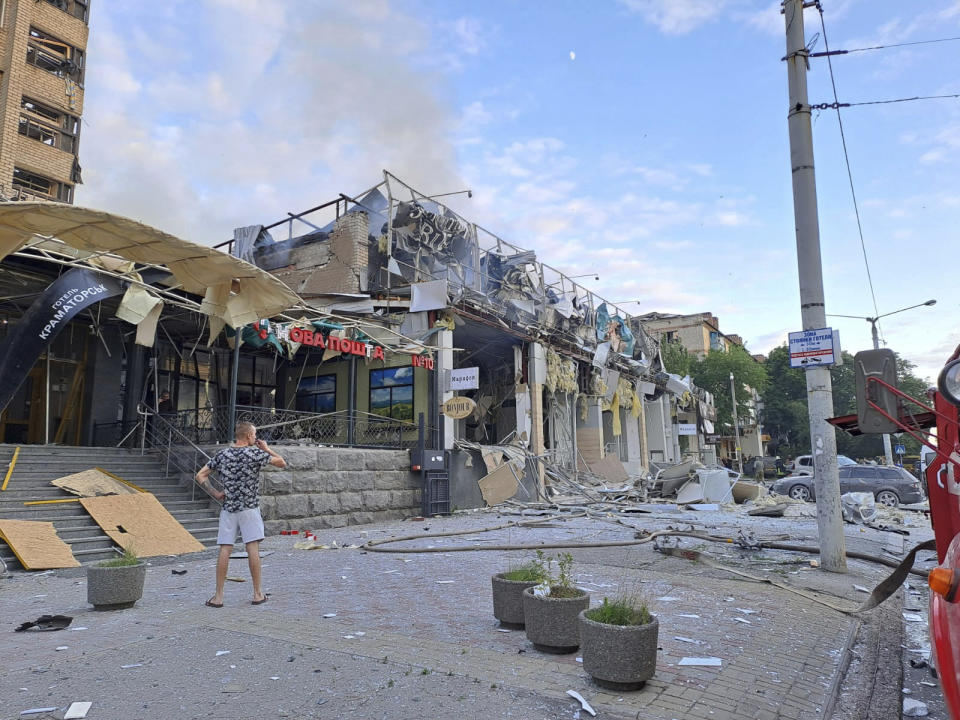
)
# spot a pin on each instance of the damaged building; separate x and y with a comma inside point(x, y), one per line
point(552, 380)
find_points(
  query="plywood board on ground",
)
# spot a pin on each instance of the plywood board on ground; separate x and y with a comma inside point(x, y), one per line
point(92, 483)
point(610, 468)
point(141, 522)
point(37, 545)
point(498, 486)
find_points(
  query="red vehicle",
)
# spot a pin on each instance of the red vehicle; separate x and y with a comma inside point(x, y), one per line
point(884, 408)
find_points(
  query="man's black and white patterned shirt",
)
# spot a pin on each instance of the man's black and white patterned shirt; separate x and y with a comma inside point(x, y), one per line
point(239, 472)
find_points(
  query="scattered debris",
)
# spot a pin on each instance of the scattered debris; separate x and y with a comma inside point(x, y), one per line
point(688, 615)
point(912, 617)
point(47, 623)
point(232, 688)
point(235, 579)
point(687, 640)
point(222, 652)
point(330, 615)
point(700, 662)
point(769, 510)
point(742, 620)
point(583, 703)
point(860, 588)
point(914, 708)
point(918, 663)
point(133, 665)
point(747, 611)
point(37, 711)
point(445, 582)
point(179, 572)
point(77, 710)
point(62, 647)
point(814, 563)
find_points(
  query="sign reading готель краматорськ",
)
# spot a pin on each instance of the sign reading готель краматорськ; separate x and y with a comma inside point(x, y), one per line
point(812, 348)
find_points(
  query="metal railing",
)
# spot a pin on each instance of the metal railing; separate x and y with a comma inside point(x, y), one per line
point(210, 426)
point(277, 425)
point(180, 454)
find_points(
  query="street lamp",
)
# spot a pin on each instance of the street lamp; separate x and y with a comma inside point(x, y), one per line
point(887, 449)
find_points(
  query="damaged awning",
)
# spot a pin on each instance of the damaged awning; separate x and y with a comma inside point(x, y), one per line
point(248, 293)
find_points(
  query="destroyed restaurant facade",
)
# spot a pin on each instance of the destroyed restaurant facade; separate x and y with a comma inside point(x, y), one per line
point(357, 318)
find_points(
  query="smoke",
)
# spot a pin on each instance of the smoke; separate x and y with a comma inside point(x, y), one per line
point(204, 116)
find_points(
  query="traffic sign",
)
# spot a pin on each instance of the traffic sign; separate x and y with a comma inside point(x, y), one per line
point(812, 348)
point(899, 450)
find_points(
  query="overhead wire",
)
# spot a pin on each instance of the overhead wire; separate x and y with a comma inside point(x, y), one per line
point(846, 157)
point(886, 47)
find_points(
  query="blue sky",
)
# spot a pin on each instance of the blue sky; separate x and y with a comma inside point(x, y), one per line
point(641, 140)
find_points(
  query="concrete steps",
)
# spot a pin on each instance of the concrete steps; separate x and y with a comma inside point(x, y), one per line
point(38, 465)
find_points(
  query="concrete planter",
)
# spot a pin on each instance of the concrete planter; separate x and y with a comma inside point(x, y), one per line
point(508, 600)
point(551, 622)
point(115, 588)
point(619, 657)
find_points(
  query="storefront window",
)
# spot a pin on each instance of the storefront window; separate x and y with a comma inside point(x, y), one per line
point(317, 394)
point(391, 393)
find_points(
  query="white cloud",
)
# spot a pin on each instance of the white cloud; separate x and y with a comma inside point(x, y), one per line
point(246, 119)
point(677, 17)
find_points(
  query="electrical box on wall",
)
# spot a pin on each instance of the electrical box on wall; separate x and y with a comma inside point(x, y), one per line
point(431, 460)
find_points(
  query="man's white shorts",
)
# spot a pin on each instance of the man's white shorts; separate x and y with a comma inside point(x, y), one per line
point(248, 522)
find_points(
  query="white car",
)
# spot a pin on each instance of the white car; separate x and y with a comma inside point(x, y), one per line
point(803, 465)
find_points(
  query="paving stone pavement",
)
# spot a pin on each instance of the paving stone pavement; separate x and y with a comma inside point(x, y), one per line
point(407, 642)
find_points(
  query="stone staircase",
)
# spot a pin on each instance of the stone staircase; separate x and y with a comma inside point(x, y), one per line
point(37, 465)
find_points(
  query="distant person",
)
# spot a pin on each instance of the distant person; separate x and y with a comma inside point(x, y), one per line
point(165, 406)
point(239, 468)
point(758, 468)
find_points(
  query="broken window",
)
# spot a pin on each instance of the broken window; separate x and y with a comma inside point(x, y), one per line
point(49, 125)
point(78, 8)
point(43, 186)
point(53, 55)
point(391, 393)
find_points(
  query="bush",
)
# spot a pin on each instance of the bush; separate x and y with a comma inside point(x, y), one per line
point(622, 611)
point(129, 557)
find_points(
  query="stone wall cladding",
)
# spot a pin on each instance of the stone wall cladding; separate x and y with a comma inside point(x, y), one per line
point(333, 487)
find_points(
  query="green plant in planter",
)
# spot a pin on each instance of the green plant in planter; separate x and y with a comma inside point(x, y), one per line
point(561, 584)
point(129, 557)
point(624, 610)
point(618, 642)
point(531, 571)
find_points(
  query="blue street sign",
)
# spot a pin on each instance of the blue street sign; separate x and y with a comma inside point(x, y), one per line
point(899, 450)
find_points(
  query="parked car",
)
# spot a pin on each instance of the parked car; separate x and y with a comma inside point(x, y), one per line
point(803, 464)
point(891, 486)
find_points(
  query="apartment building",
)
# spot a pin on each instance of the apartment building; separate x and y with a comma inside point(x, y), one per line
point(698, 333)
point(42, 58)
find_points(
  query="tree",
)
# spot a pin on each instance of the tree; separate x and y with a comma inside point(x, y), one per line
point(676, 358)
point(786, 417)
point(712, 373)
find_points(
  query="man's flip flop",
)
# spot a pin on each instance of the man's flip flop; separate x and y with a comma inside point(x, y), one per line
point(259, 602)
point(211, 603)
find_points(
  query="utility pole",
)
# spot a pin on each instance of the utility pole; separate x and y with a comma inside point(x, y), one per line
point(812, 309)
point(736, 425)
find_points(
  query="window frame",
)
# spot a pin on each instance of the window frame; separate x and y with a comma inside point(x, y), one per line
point(41, 44)
point(65, 125)
point(390, 411)
point(312, 395)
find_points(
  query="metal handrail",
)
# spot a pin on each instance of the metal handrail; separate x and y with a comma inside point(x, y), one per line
point(147, 419)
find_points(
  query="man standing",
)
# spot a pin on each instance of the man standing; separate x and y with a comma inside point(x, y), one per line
point(239, 469)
